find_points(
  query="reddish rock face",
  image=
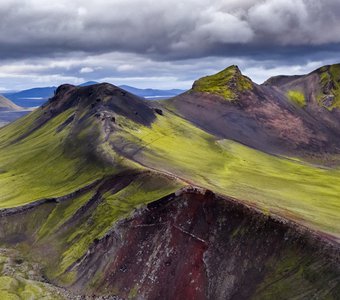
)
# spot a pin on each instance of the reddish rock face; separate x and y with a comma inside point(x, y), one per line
point(197, 246)
point(188, 245)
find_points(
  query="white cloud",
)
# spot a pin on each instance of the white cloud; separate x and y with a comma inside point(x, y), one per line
point(125, 67)
point(163, 28)
point(86, 70)
point(260, 73)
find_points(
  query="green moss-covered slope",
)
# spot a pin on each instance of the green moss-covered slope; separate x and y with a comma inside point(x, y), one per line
point(58, 158)
point(284, 186)
point(227, 84)
point(41, 166)
point(20, 279)
point(297, 97)
point(329, 96)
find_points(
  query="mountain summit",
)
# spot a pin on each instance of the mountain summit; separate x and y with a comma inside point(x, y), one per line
point(227, 83)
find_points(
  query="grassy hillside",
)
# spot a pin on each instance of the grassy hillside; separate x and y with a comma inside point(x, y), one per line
point(93, 186)
point(92, 196)
point(45, 165)
point(40, 166)
point(285, 186)
point(65, 230)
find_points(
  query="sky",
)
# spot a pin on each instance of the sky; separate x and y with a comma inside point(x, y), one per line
point(162, 44)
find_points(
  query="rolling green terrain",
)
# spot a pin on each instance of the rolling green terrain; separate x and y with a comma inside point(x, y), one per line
point(82, 170)
point(53, 172)
point(284, 186)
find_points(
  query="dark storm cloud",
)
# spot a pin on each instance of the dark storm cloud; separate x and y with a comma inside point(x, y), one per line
point(164, 43)
point(169, 29)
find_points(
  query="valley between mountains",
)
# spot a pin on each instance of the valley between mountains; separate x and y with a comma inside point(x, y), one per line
point(227, 191)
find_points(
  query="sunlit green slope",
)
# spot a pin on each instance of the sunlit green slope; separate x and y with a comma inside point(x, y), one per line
point(93, 186)
point(41, 165)
point(287, 187)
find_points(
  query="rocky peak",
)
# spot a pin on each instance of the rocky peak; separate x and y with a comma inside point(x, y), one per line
point(228, 83)
point(98, 99)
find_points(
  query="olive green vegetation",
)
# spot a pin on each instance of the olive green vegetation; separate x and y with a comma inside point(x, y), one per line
point(19, 288)
point(16, 280)
point(287, 187)
point(330, 82)
point(227, 83)
point(297, 277)
point(113, 207)
point(297, 97)
point(40, 165)
point(45, 165)
point(69, 237)
point(49, 163)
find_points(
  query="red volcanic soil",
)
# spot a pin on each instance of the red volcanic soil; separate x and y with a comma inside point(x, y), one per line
point(199, 246)
point(189, 245)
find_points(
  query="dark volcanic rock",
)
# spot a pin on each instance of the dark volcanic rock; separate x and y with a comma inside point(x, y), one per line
point(195, 246)
point(188, 245)
point(92, 100)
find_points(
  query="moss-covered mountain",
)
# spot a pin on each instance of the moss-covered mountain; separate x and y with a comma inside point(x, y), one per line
point(228, 84)
point(142, 200)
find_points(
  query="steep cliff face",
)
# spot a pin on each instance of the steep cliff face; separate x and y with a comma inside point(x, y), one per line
point(189, 245)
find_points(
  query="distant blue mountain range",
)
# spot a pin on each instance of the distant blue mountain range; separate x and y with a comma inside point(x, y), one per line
point(152, 93)
point(37, 96)
point(31, 97)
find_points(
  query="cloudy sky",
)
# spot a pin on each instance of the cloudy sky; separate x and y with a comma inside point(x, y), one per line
point(163, 43)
